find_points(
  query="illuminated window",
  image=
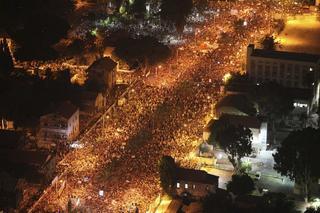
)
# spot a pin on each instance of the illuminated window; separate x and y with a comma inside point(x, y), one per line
point(186, 186)
point(194, 186)
point(178, 185)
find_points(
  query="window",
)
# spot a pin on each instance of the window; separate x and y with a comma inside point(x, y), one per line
point(194, 186)
point(178, 185)
point(186, 186)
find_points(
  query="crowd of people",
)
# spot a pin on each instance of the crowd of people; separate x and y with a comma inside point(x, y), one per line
point(164, 114)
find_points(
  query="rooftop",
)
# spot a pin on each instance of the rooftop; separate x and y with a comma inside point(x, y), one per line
point(290, 56)
point(197, 176)
point(66, 109)
point(105, 63)
point(246, 121)
point(238, 101)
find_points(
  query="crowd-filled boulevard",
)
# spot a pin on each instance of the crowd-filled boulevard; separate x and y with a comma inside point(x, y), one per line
point(164, 114)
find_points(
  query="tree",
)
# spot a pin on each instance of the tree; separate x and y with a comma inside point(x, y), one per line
point(35, 25)
point(201, 4)
point(298, 158)
point(312, 210)
point(218, 203)
point(240, 185)
point(269, 43)
point(176, 12)
point(234, 140)
point(276, 203)
point(141, 51)
point(273, 100)
point(168, 170)
point(138, 8)
point(6, 61)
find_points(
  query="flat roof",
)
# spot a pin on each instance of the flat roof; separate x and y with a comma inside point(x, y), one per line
point(290, 56)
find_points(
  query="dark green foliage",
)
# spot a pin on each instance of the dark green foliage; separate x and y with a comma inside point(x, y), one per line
point(240, 184)
point(276, 203)
point(234, 140)
point(273, 100)
point(218, 203)
point(168, 173)
point(35, 25)
point(175, 12)
point(312, 210)
point(138, 8)
point(141, 51)
point(27, 97)
point(298, 157)
point(269, 43)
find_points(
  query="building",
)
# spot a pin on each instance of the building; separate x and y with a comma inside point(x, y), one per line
point(289, 69)
point(259, 130)
point(6, 124)
point(58, 127)
point(195, 183)
point(101, 75)
point(92, 101)
point(236, 104)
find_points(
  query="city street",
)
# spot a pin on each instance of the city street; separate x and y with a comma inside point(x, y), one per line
point(164, 114)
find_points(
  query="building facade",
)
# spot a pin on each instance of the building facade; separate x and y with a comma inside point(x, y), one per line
point(102, 75)
point(58, 127)
point(195, 183)
point(289, 69)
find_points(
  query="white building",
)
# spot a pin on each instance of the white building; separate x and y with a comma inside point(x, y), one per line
point(58, 127)
point(286, 68)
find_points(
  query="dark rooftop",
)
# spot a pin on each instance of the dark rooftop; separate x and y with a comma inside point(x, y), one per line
point(238, 101)
point(291, 56)
point(246, 121)
point(66, 109)
point(105, 63)
point(197, 176)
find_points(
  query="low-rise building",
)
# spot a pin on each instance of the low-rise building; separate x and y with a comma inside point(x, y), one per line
point(58, 127)
point(195, 183)
point(290, 69)
point(101, 75)
point(236, 104)
point(92, 101)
